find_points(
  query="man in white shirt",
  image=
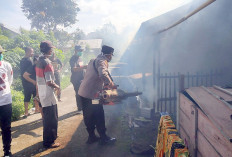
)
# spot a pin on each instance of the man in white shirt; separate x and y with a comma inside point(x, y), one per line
point(6, 77)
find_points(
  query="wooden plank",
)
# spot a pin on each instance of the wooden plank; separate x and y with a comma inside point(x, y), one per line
point(165, 92)
point(214, 108)
point(187, 106)
point(221, 94)
point(187, 132)
point(229, 89)
point(199, 154)
point(170, 93)
point(189, 117)
point(187, 141)
point(213, 135)
point(204, 147)
point(185, 122)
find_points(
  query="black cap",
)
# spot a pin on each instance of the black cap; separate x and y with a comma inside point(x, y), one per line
point(45, 46)
point(79, 48)
point(107, 49)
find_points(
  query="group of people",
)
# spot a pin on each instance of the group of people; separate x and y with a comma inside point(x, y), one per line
point(28, 77)
point(41, 79)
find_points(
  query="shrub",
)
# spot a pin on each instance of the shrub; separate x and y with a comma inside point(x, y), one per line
point(17, 84)
point(17, 104)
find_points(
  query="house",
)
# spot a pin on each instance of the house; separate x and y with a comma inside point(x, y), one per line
point(94, 45)
point(200, 44)
point(12, 32)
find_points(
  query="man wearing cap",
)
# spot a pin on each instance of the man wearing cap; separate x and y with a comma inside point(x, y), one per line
point(96, 78)
point(46, 88)
point(6, 78)
point(29, 88)
point(77, 69)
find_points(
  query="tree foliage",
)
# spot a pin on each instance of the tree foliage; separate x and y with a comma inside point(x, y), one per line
point(15, 47)
point(48, 14)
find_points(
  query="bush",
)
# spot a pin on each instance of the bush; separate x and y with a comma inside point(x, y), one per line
point(17, 84)
point(17, 104)
point(65, 81)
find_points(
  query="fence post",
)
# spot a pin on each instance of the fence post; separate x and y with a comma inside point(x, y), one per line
point(181, 88)
point(181, 83)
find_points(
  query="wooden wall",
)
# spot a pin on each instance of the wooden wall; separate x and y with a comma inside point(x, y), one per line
point(205, 121)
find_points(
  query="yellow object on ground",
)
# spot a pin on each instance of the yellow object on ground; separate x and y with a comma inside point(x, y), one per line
point(168, 143)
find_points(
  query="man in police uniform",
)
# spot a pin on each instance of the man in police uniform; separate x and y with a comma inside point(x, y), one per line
point(96, 78)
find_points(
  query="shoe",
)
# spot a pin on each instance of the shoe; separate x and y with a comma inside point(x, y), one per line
point(7, 154)
point(92, 140)
point(107, 140)
point(54, 145)
point(25, 116)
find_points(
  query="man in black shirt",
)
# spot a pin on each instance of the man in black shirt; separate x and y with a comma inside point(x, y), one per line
point(77, 69)
point(29, 88)
point(30, 76)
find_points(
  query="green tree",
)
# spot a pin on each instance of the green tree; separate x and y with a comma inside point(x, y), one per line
point(63, 38)
point(107, 33)
point(48, 14)
point(77, 35)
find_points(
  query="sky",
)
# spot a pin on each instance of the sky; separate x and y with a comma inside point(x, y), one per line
point(123, 14)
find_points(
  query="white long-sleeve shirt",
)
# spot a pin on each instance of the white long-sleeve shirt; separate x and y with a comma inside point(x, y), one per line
point(6, 78)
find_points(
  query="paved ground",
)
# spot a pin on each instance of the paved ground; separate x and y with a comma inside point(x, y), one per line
point(27, 133)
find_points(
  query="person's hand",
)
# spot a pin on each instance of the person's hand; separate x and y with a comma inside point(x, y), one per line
point(111, 85)
point(57, 88)
point(34, 83)
point(75, 69)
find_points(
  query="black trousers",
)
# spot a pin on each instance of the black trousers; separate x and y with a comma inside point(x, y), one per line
point(76, 87)
point(50, 125)
point(94, 117)
point(5, 123)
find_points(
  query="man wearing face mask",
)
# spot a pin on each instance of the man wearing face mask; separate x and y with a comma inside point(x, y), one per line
point(6, 78)
point(96, 78)
point(77, 69)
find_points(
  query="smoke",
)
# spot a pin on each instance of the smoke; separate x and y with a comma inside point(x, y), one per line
point(202, 43)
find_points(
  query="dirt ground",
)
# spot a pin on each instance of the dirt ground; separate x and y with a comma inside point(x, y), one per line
point(27, 134)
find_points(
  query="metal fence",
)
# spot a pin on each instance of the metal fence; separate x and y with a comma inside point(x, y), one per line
point(169, 84)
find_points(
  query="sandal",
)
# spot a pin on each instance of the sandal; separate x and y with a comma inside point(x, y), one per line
point(25, 116)
point(55, 145)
